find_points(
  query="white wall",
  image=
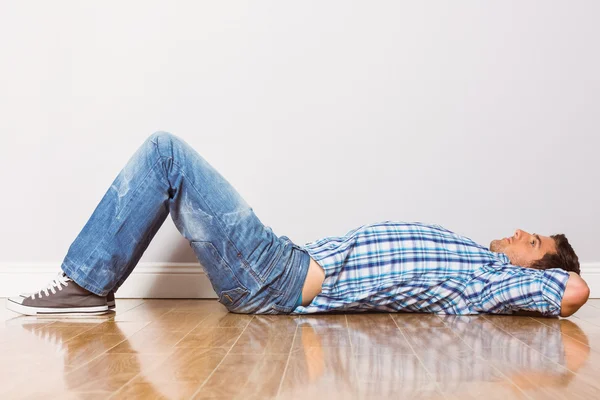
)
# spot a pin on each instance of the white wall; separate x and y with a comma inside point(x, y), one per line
point(325, 115)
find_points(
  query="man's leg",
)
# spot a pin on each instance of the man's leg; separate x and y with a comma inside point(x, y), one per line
point(166, 175)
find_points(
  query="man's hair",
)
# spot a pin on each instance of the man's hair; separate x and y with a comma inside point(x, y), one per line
point(564, 257)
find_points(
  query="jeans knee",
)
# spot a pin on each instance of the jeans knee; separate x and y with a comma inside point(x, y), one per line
point(160, 134)
point(161, 142)
point(168, 144)
point(165, 142)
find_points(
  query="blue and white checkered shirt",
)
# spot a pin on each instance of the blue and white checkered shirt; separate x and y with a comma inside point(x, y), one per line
point(395, 266)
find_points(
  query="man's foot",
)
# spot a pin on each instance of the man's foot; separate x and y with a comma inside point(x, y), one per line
point(62, 296)
point(110, 299)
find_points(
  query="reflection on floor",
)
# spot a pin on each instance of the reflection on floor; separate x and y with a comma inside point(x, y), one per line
point(194, 349)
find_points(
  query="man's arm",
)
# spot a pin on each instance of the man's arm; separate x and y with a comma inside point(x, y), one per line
point(576, 294)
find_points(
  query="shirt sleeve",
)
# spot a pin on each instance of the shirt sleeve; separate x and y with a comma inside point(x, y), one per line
point(504, 289)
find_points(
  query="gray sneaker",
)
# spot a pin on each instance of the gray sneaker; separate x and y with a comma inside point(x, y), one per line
point(62, 296)
point(110, 299)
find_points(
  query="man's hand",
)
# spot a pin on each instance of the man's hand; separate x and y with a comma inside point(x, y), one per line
point(576, 294)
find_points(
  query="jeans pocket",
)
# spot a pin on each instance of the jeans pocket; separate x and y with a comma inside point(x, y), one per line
point(232, 298)
point(223, 278)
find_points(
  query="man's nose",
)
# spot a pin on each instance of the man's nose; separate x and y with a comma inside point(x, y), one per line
point(520, 233)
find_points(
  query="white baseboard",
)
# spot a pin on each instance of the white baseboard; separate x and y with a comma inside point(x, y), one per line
point(590, 272)
point(148, 280)
point(167, 280)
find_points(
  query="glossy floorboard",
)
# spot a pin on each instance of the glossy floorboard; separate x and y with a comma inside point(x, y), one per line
point(180, 349)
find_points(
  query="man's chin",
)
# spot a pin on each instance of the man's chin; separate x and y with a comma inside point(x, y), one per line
point(495, 246)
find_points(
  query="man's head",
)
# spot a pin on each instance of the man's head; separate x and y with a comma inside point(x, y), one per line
point(537, 251)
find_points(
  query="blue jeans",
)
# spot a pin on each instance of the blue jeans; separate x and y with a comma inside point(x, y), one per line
point(251, 269)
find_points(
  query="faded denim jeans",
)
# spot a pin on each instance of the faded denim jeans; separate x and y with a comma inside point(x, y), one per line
point(252, 270)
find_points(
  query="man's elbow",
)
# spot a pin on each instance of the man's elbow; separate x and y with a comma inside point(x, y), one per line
point(576, 294)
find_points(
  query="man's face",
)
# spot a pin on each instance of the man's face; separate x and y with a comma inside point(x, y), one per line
point(524, 248)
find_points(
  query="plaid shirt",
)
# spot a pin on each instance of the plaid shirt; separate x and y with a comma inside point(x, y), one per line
point(415, 267)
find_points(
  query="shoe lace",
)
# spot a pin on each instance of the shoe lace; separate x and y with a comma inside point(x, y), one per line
point(57, 283)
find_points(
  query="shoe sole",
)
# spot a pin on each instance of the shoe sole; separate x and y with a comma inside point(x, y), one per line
point(111, 304)
point(27, 310)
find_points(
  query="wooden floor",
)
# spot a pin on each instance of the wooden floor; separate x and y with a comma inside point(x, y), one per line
point(184, 349)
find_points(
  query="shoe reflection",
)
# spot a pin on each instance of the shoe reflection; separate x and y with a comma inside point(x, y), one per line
point(69, 356)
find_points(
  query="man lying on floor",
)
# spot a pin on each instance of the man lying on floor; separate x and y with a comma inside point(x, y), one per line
point(389, 266)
